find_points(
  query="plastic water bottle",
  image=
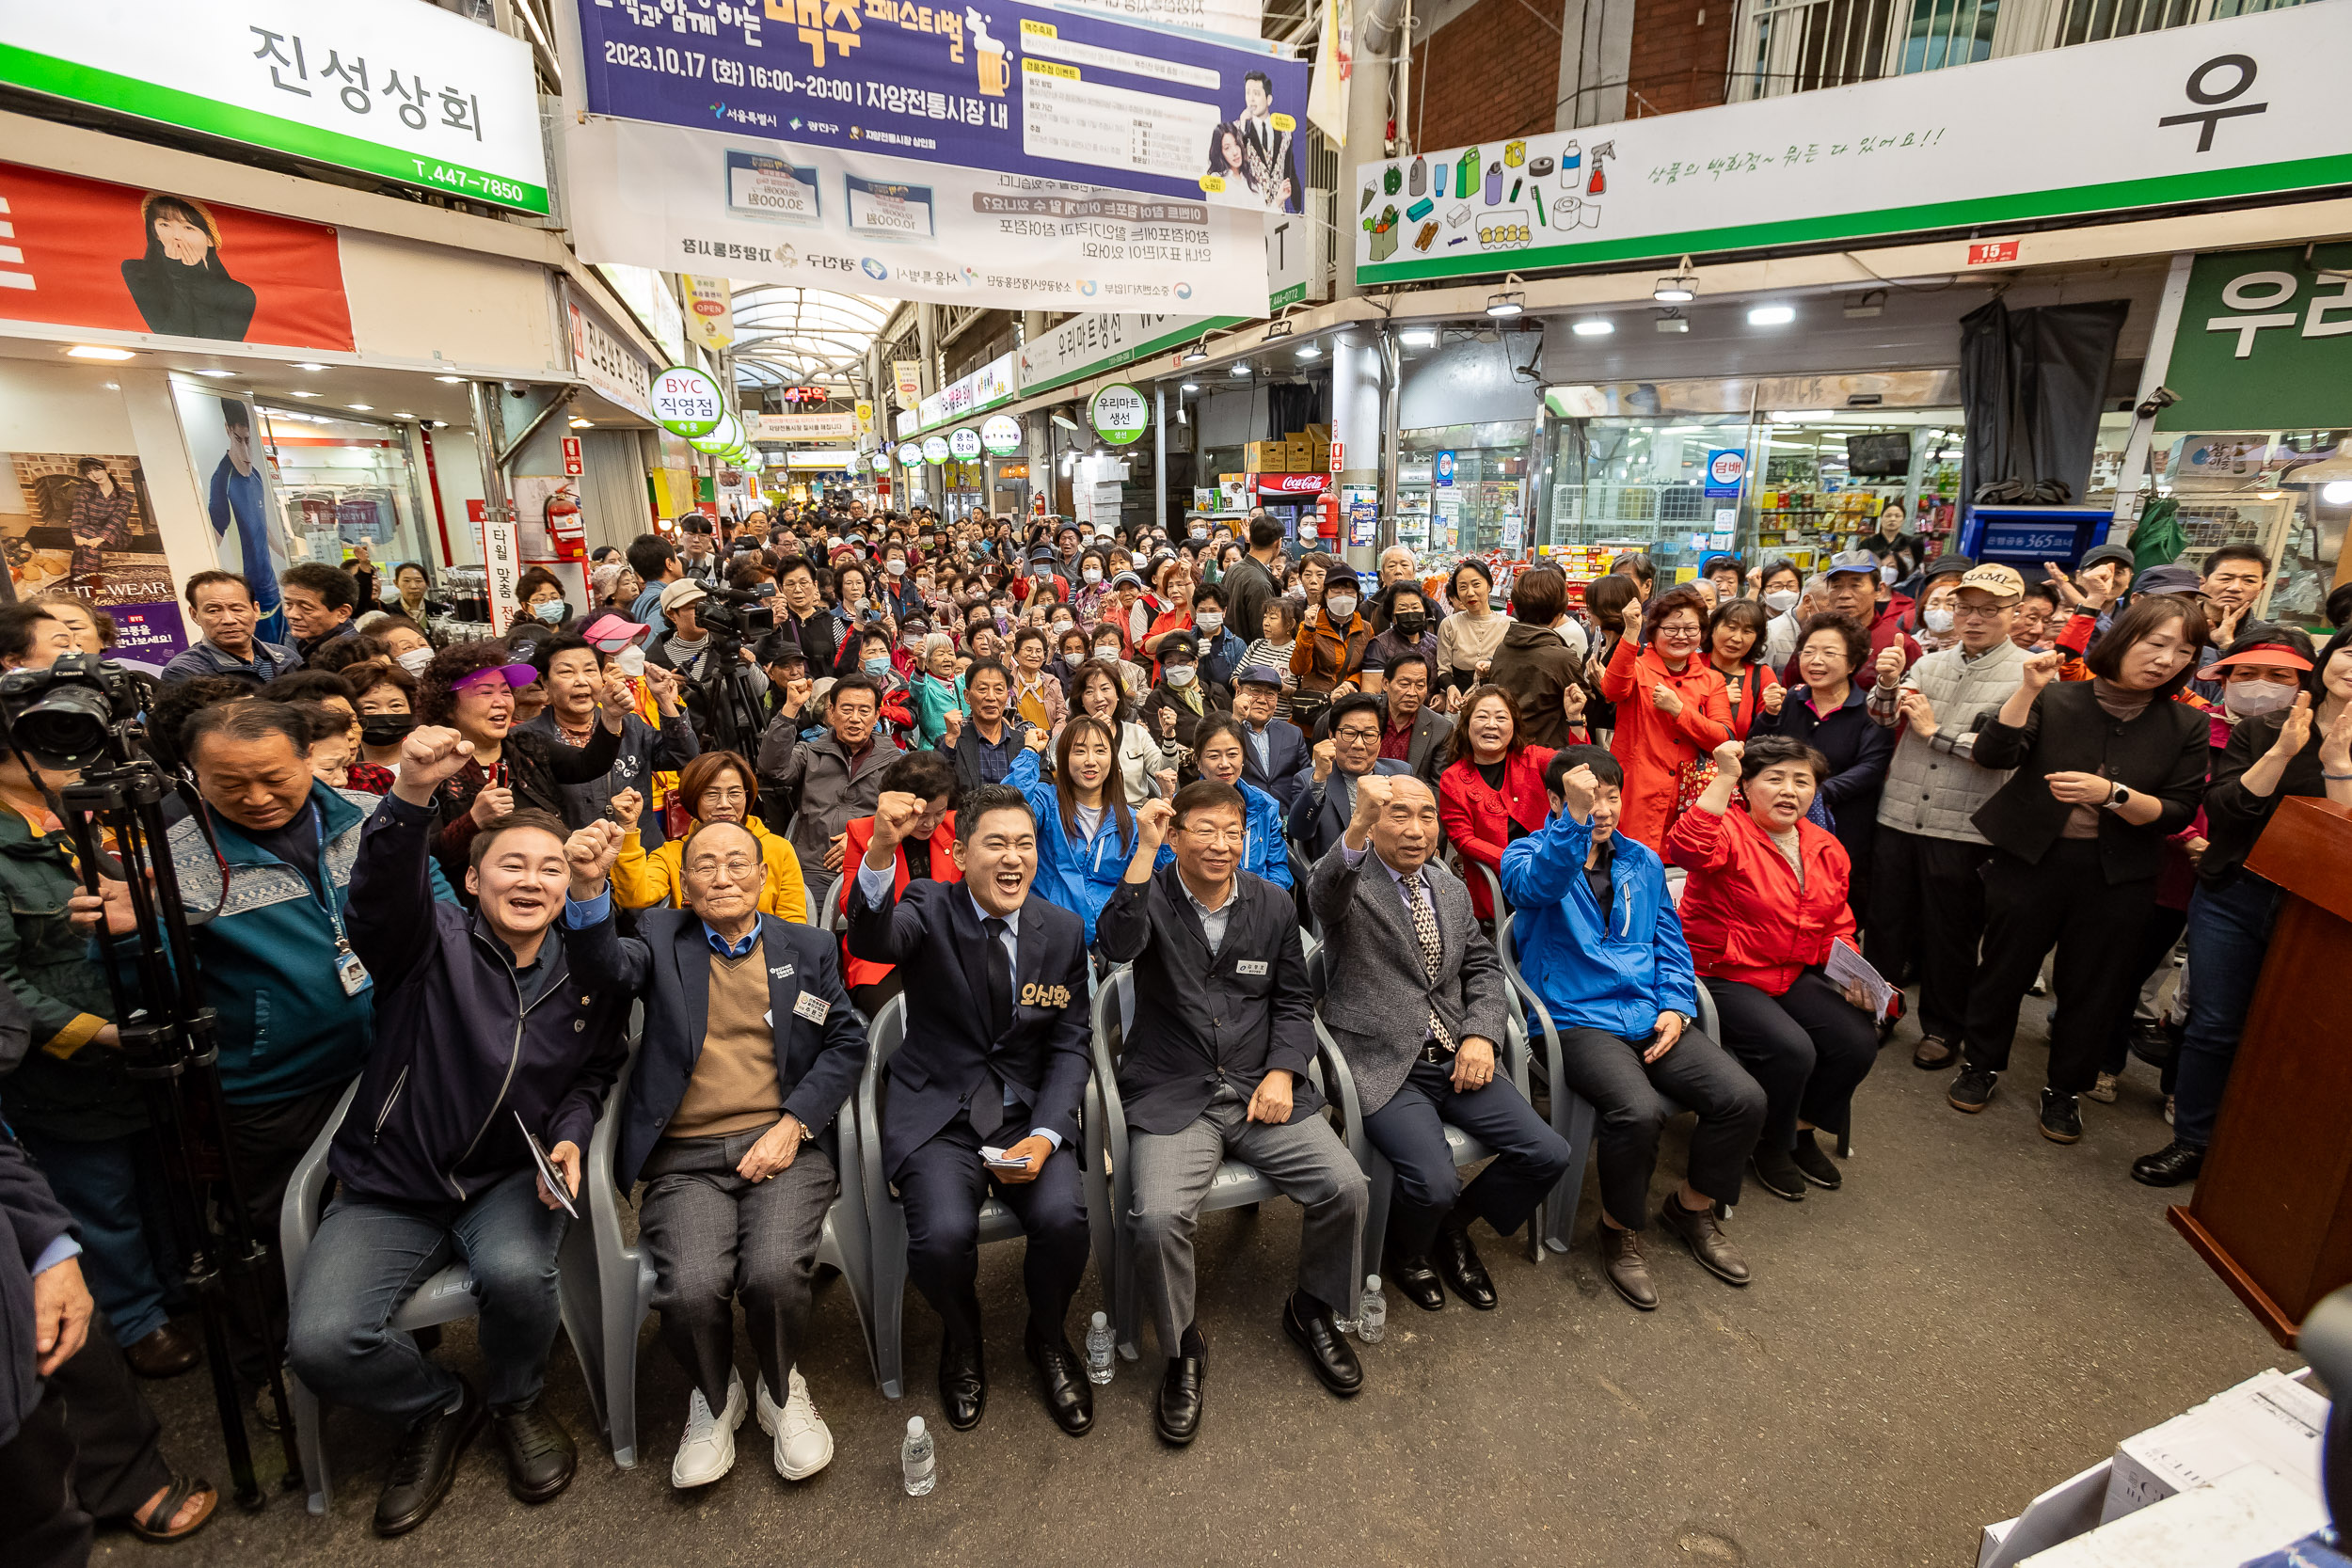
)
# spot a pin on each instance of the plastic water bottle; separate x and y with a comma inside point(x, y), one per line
point(915, 1456)
point(1374, 1323)
point(1101, 1359)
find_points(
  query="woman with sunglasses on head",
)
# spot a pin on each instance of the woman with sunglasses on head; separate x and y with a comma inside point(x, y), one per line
point(1672, 712)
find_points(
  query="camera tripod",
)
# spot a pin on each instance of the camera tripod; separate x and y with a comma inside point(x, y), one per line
point(736, 715)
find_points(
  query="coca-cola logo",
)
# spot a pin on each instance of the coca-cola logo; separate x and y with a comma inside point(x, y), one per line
point(1294, 484)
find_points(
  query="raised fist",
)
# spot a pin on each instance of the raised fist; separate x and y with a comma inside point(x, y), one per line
point(1152, 820)
point(429, 753)
point(494, 802)
point(895, 815)
point(2042, 669)
point(589, 853)
point(1325, 752)
point(1774, 697)
point(1036, 739)
point(627, 807)
point(1890, 664)
point(1372, 797)
point(1728, 756)
point(1577, 789)
point(1572, 700)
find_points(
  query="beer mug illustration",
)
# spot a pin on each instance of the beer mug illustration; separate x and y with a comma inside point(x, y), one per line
point(994, 63)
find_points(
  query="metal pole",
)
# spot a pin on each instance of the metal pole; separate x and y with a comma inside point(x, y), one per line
point(1391, 399)
point(489, 440)
point(1159, 454)
point(2151, 374)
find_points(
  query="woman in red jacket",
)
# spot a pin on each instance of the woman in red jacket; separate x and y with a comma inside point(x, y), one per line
point(1672, 711)
point(1765, 900)
point(928, 850)
point(1492, 790)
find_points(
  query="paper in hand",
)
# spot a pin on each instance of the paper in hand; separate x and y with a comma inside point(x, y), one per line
point(548, 1174)
point(1846, 967)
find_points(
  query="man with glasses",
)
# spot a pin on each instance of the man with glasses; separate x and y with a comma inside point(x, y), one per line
point(1274, 752)
point(1216, 1068)
point(1321, 811)
point(751, 1045)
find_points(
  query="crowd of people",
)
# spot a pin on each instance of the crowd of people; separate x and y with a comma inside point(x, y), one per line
point(773, 770)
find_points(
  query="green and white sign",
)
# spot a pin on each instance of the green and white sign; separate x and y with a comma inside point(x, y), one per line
point(722, 438)
point(2249, 106)
point(686, 402)
point(1001, 435)
point(1120, 414)
point(963, 443)
point(935, 448)
point(910, 453)
point(388, 88)
point(2264, 342)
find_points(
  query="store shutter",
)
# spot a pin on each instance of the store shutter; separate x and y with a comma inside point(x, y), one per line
point(612, 490)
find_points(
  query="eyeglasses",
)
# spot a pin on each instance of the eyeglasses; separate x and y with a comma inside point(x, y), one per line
point(1208, 838)
point(1974, 613)
point(735, 868)
point(1357, 734)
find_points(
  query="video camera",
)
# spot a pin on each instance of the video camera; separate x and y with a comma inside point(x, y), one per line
point(737, 614)
point(74, 713)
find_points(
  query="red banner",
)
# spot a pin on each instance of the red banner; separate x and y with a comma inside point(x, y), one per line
point(124, 259)
point(1296, 486)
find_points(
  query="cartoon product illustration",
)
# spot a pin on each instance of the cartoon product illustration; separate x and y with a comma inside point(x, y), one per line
point(1383, 231)
point(1458, 217)
point(1570, 157)
point(1428, 233)
point(989, 54)
point(1438, 188)
point(1505, 228)
point(1418, 178)
point(1514, 154)
point(1465, 173)
point(1391, 180)
point(1419, 210)
point(1494, 183)
point(1599, 184)
point(1538, 167)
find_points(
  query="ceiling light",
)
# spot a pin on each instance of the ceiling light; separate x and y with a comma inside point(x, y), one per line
point(309, 366)
point(1277, 329)
point(1506, 303)
point(1870, 302)
point(1597, 327)
point(360, 407)
point(1242, 369)
point(451, 380)
point(2337, 492)
point(1197, 353)
point(305, 394)
point(1419, 337)
point(1771, 315)
point(114, 385)
point(1671, 320)
point(1192, 386)
point(403, 414)
point(1064, 420)
point(579, 423)
point(1787, 419)
point(93, 351)
point(1679, 287)
point(214, 372)
point(1313, 351)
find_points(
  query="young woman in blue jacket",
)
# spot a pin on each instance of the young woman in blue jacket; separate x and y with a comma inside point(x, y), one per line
point(1216, 747)
point(1085, 832)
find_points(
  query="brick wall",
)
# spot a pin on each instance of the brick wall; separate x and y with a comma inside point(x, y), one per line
point(1678, 60)
point(1490, 74)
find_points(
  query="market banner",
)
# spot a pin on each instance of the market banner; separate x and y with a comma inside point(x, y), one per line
point(389, 87)
point(83, 526)
point(1011, 89)
point(1239, 18)
point(84, 253)
point(2223, 110)
point(768, 212)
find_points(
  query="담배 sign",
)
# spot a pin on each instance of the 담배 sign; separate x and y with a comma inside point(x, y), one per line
point(686, 402)
point(1726, 468)
point(1120, 414)
point(1001, 435)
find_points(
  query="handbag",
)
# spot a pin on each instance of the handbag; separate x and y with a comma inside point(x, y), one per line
point(1691, 777)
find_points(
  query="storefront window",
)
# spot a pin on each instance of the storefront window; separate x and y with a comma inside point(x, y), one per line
point(1463, 489)
point(343, 480)
point(2247, 487)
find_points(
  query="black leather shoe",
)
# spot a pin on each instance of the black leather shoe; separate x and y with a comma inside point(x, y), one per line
point(1621, 1260)
point(1934, 1053)
point(1328, 1350)
point(1069, 1397)
point(165, 1352)
point(425, 1463)
point(1458, 1260)
point(1177, 1414)
point(1706, 1240)
point(540, 1458)
point(2169, 1166)
point(1417, 1279)
point(1816, 1165)
point(963, 1383)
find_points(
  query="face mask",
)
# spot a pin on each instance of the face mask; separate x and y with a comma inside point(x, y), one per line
point(415, 659)
point(552, 611)
point(1180, 676)
point(1108, 650)
point(1409, 623)
point(1093, 575)
point(386, 729)
point(1342, 605)
point(1210, 619)
point(630, 662)
point(2248, 698)
point(1781, 601)
point(880, 666)
point(1200, 534)
point(897, 568)
point(1938, 620)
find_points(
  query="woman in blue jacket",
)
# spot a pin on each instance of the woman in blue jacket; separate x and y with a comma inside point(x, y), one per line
point(1085, 832)
point(1216, 747)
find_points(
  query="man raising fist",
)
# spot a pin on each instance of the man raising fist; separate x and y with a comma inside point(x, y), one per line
point(496, 1034)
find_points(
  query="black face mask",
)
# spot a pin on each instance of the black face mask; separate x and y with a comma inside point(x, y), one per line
point(386, 729)
point(1409, 622)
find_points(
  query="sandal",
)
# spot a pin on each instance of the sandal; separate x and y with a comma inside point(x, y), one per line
point(154, 1525)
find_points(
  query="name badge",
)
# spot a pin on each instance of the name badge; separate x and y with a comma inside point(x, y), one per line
point(812, 1006)
point(1250, 966)
point(782, 972)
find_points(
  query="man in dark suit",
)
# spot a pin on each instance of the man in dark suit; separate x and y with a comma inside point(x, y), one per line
point(1414, 997)
point(1275, 755)
point(1323, 809)
point(1214, 1067)
point(996, 1043)
point(48, 1310)
point(750, 1047)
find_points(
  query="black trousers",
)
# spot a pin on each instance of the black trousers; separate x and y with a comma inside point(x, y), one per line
point(1809, 1048)
point(118, 1461)
point(1698, 1075)
point(1927, 911)
point(943, 1185)
point(1411, 1130)
point(2066, 901)
point(265, 1143)
point(870, 1000)
point(42, 1521)
point(2157, 938)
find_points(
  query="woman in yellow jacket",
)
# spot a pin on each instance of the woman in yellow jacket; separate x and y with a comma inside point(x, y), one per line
point(717, 786)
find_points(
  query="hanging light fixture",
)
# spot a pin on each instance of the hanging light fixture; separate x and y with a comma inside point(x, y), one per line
point(1507, 301)
point(1678, 288)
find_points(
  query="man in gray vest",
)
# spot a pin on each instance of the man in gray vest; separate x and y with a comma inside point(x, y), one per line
point(1926, 902)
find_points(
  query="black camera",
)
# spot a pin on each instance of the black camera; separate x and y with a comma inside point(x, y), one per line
point(65, 716)
point(740, 614)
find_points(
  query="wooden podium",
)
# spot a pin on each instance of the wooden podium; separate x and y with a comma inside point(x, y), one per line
point(2273, 1208)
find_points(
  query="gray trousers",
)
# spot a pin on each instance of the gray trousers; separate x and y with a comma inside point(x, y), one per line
point(1304, 1159)
point(716, 1238)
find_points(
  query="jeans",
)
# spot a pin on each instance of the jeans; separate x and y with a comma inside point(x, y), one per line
point(125, 1238)
point(2229, 928)
point(370, 1255)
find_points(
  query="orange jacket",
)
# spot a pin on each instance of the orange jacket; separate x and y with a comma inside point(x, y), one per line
point(858, 838)
point(1652, 746)
point(1743, 911)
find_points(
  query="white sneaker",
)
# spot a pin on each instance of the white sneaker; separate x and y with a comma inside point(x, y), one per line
point(803, 1442)
point(708, 1449)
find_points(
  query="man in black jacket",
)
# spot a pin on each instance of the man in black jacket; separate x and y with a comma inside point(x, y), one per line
point(1274, 757)
point(493, 1033)
point(47, 1310)
point(1215, 1066)
point(995, 1053)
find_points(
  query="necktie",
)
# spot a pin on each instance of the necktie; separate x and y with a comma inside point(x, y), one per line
point(1432, 949)
point(988, 1101)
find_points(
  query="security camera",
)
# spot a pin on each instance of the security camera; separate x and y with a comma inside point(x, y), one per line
point(2157, 401)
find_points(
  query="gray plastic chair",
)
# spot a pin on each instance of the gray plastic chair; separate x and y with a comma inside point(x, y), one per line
point(886, 1220)
point(624, 1272)
point(818, 896)
point(444, 1297)
point(1377, 1170)
point(1234, 1186)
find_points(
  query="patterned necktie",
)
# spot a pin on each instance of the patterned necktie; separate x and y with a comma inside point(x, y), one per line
point(1432, 950)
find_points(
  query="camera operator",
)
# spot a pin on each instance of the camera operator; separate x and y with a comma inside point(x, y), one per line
point(698, 549)
point(577, 676)
point(828, 780)
point(704, 644)
point(291, 1037)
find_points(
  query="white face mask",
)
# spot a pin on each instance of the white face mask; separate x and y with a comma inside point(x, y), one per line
point(1180, 676)
point(1342, 605)
point(1210, 619)
point(1938, 620)
point(630, 662)
point(897, 568)
point(2249, 698)
point(1092, 574)
point(1781, 601)
point(1108, 650)
point(415, 659)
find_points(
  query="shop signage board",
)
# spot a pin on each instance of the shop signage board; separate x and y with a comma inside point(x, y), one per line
point(406, 92)
point(1293, 485)
point(1120, 414)
point(1021, 89)
point(805, 427)
point(501, 562)
point(774, 211)
point(1099, 342)
point(723, 438)
point(991, 383)
point(963, 443)
point(710, 310)
point(610, 366)
point(2264, 342)
point(2248, 106)
point(906, 375)
point(864, 410)
point(83, 526)
point(1726, 468)
point(1001, 435)
point(910, 453)
point(935, 448)
point(1445, 469)
point(688, 401)
point(84, 253)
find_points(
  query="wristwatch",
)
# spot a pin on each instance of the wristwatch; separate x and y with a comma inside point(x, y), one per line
point(2119, 800)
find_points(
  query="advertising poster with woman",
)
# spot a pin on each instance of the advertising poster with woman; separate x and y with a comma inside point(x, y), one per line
point(79, 525)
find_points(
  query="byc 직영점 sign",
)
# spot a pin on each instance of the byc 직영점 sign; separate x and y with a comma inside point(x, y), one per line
point(686, 402)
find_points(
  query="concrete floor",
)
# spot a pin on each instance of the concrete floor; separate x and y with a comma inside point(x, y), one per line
point(1976, 1316)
